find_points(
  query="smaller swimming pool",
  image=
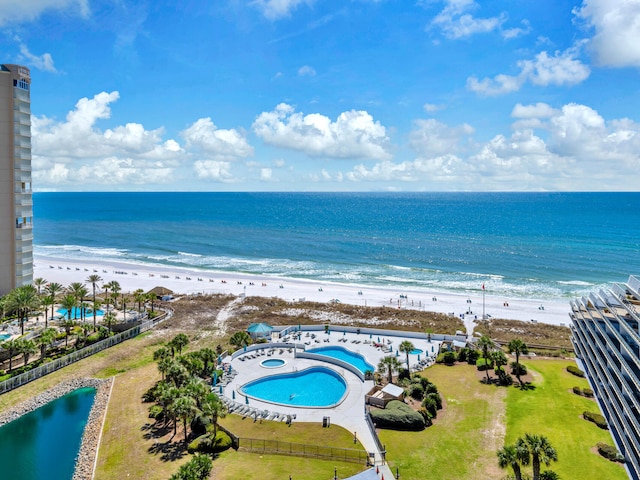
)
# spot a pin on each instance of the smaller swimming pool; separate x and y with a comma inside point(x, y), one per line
point(4, 336)
point(345, 355)
point(416, 351)
point(272, 363)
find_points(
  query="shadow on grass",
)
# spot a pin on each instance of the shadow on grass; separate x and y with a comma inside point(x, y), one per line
point(168, 451)
point(526, 386)
point(156, 430)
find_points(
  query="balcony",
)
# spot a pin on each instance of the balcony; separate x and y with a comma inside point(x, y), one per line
point(23, 166)
point(24, 142)
point(24, 200)
point(22, 153)
point(22, 130)
point(24, 235)
point(22, 118)
point(22, 95)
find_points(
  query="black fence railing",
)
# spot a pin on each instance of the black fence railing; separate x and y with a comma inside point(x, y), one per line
point(351, 455)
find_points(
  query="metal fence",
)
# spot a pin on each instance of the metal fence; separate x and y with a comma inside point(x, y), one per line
point(303, 450)
point(374, 434)
point(57, 364)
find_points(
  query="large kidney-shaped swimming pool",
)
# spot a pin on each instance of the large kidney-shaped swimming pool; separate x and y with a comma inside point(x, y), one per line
point(312, 387)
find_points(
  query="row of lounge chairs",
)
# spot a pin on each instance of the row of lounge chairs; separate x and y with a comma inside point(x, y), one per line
point(256, 413)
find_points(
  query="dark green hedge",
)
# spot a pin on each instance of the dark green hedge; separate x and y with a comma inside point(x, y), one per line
point(596, 418)
point(575, 371)
point(483, 364)
point(609, 452)
point(398, 416)
point(205, 444)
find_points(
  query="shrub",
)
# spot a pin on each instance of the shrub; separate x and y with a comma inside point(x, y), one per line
point(199, 424)
point(596, 418)
point(575, 371)
point(483, 364)
point(150, 395)
point(472, 356)
point(462, 355)
point(518, 369)
point(398, 416)
point(440, 358)
point(577, 390)
point(609, 452)
point(587, 392)
point(427, 417)
point(549, 475)
point(205, 444)
point(416, 391)
point(449, 358)
point(430, 405)
point(430, 388)
point(436, 398)
point(198, 468)
point(156, 412)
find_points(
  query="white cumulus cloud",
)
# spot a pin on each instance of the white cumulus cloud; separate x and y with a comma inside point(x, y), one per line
point(616, 42)
point(455, 22)
point(354, 134)
point(275, 9)
point(306, 70)
point(219, 144)
point(16, 11)
point(41, 62)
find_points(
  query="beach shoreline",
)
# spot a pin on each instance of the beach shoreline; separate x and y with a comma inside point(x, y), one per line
point(181, 281)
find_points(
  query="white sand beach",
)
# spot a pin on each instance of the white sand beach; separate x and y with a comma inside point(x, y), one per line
point(183, 281)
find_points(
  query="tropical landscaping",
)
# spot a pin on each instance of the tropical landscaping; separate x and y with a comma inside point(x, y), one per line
point(486, 405)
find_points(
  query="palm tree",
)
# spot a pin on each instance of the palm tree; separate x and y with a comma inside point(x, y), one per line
point(68, 325)
point(514, 456)
point(151, 297)
point(214, 408)
point(39, 283)
point(46, 338)
point(390, 364)
point(179, 342)
point(93, 280)
point(11, 346)
point(115, 291)
point(69, 302)
point(518, 347)
point(541, 452)
point(406, 347)
point(52, 289)
point(486, 344)
point(109, 317)
point(240, 339)
point(26, 348)
point(138, 297)
point(208, 357)
point(184, 407)
point(164, 364)
point(23, 300)
point(47, 301)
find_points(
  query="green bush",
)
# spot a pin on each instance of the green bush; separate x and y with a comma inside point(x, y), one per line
point(199, 424)
point(596, 418)
point(198, 468)
point(473, 356)
point(577, 390)
point(156, 412)
point(440, 358)
point(587, 392)
point(518, 369)
point(204, 443)
point(483, 364)
point(449, 358)
point(609, 452)
point(428, 418)
point(462, 355)
point(398, 416)
point(436, 398)
point(575, 371)
point(416, 391)
point(430, 405)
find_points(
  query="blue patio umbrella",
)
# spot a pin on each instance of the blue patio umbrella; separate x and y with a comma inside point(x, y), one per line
point(371, 335)
point(418, 357)
point(246, 400)
point(220, 389)
point(215, 378)
point(378, 339)
point(391, 348)
point(230, 368)
point(259, 329)
point(344, 332)
point(431, 348)
point(397, 353)
point(233, 393)
point(219, 358)
point(245, 348)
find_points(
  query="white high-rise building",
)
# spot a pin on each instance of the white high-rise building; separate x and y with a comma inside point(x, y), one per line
point(16, 205)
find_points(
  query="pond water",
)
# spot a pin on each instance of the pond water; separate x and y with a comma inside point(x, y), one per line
point(43, 444)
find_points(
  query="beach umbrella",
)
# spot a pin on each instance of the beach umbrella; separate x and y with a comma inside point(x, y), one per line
point(230, 368)
point(344, 332)
point(378, 339)
point(391, 348)
point(219, 358)
point(371, 335)
point(246, 400)
point(220, 389)
point(215, 378)
point(397, 353)
point(233, 393)
point(431, 348)
point(418, 357)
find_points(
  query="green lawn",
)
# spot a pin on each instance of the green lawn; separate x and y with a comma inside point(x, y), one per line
point(464, 437)
point(553, 410)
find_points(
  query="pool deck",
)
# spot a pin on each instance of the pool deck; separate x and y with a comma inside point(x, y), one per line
point(350, 412)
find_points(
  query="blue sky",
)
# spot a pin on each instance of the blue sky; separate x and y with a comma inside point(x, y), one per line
point(330, 95)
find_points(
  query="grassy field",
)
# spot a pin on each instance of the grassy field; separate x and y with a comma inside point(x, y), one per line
point(478, 419)
point(553, 410)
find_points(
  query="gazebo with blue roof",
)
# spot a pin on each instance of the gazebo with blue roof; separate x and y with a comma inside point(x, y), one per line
point(259, 330)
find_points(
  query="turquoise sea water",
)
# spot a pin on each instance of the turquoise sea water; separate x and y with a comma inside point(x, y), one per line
point(313, 387)
point(43, 444)
point(536, 245)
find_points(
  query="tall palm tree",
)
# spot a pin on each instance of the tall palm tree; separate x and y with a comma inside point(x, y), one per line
point(26, 348)
point(208, 357)
point(184, 407)
point(518, 347)
point(47, 301)
point(138, 297)
point(46, 338)
point(68, 325)
point(151, 298)
point(541, 452)
point(23, 300)
point(179, 342)
point(390, 364)
point(514, 456)
point(68, 302)
point(213, 408)
point(93, 280)
point(10, 346)
point(115, 291)
point(406, 347)
point(486, 344)
point(109, 317)
point(52, 289)
point(39, 283)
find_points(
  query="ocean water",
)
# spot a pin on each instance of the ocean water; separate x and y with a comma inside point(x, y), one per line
point(535, 245)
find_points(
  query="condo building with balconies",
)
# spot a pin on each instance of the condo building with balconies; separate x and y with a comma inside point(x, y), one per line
point(607, 342)
point(16, 205)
